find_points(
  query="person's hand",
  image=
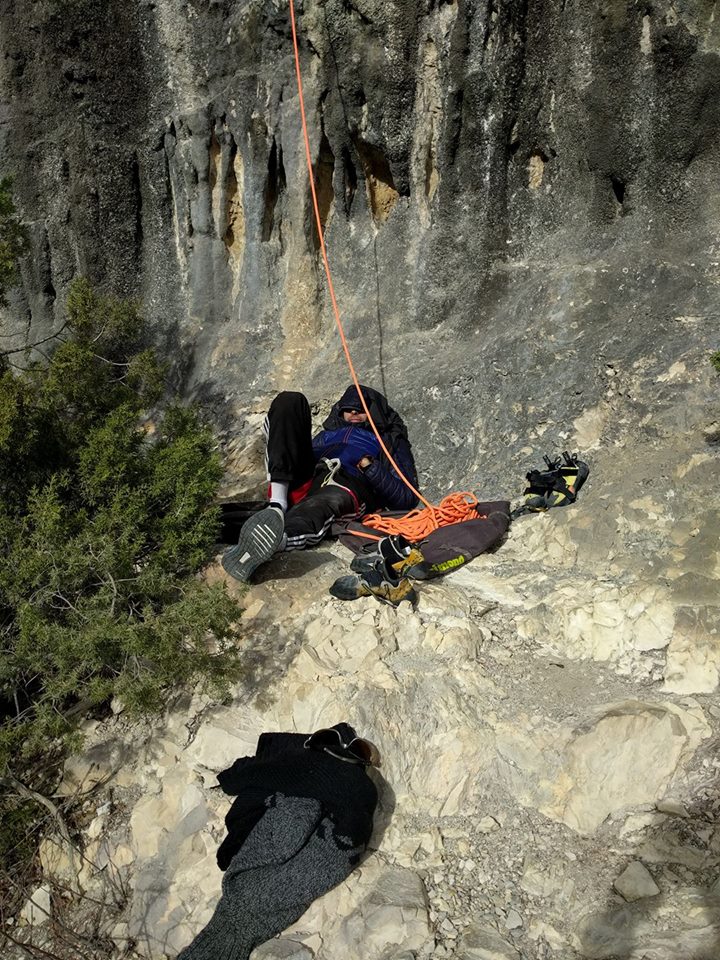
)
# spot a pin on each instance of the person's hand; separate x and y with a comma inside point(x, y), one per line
point(364, 463)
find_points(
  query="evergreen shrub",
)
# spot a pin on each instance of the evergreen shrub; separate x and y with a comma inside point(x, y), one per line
point(106, 517)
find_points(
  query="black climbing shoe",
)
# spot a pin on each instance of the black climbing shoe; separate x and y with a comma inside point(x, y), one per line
point(375, 582)
point(557, 486)
point(574, 472)
point(401, 559)
point(260, 537)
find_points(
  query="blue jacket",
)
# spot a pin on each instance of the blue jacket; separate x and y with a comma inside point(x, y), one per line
point(349, 445)
point(391, 491)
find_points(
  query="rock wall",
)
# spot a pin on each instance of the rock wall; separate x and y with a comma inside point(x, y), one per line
point(521, 206)
point(518, 198)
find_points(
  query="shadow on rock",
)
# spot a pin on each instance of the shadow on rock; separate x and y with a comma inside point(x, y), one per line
point(290, 566)
point(666, 900)
point(383, 813)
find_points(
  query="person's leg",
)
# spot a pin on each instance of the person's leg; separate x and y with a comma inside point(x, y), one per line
point(307, 523)
point(289, 455)
point(290, 464)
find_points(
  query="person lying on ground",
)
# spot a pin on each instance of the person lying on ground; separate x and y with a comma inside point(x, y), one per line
point(341, 472)
point(302, 819)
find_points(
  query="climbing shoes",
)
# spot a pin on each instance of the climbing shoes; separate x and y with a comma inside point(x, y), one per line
point(556, 486)
point(375, 581)
point(400, 556)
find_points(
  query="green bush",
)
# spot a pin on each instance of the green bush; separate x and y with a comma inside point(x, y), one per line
point(105, 518)
point(715, 360)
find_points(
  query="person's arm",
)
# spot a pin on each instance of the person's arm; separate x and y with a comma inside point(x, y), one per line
point(391, 490)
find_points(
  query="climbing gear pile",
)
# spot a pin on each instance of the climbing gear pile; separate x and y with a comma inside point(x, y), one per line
point(443, 550)
point(556, 486)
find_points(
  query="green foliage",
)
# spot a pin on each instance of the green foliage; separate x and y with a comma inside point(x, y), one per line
point(13, 239)
point(16, 826)
point(715, 360)
point(105, 517)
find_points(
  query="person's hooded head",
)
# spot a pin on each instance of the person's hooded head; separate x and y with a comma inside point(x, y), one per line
point(389, 423)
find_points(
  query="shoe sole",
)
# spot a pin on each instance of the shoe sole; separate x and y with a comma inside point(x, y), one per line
point(363, 562)
point(417, 571)
point(259, 540)
point(411, 596)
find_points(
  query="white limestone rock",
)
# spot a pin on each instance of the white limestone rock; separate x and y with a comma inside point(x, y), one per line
point(37, 910)
point(225, 736)
point(378, 912)
point(282, 949)
point(96, 765)
point(627, 758)
point(683, 924)
point(675, 808)
point(636, 883)
point(546, 880)
point(604, 621)
point(693, 657)
point(61, 861)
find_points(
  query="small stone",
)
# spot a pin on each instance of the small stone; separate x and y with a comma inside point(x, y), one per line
point(635, 883)
point(674, 807)
point(95, 828)
point(483, 943)
point(488, 825)
point(37, 909)
point(513, 920)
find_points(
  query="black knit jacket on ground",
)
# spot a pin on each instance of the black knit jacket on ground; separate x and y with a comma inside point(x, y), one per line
point(303, 838)
point(282, 765)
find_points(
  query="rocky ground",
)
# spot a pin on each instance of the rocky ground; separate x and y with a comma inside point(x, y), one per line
point(548, 723)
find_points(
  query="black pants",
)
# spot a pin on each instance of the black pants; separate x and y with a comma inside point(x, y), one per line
point(290, 459)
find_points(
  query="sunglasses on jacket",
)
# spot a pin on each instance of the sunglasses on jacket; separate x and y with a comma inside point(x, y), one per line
point(356, 750)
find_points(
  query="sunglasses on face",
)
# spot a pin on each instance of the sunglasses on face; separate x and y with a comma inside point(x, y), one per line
point(352, 410)
point(358, 749)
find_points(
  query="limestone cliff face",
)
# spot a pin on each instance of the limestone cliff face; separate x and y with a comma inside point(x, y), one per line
point(514, 194)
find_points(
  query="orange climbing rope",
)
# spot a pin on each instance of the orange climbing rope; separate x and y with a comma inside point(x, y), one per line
point(416, 525)
point(454, 508)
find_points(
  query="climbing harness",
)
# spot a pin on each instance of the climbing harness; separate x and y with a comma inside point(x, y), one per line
point(455, 508)
point(334, 466)
point(556, 486)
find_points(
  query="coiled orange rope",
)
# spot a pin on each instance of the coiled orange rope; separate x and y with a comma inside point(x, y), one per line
point(454, 508)
point(416, 525)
